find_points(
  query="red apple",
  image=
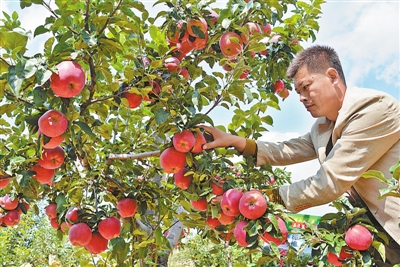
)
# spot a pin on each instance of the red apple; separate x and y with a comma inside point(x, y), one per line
point(4, 181)
point(230, 202)
point(198, 43)
point(64, 226)
point(51, 210)
point(345, 253)
point(72, 215)
point(52, 158)
point(8, 203)
point(80, 234)
point(97, 244)
point(69, 81)
point(185, 73)
point(266, 27)
point(278, 86)
point(200, 140)
point(213, 17)
point(185, 46)
point(196, 26)
point(12, 218)
point(183, 141)
point(54, 223)
point(244, 74)
point(42, 175)
point(252, 28)
point(127, 207)
point(174, 32)
point(225, 219)
point(252, 204)
point(134, 100)
point(1, 219)
point(358, 237)
point(284, 93)
point(334, 259)
point(181, 180)
point(110, 227)
point(212, 223)
point(230, 44)
point(53, 123)
point(172, 64)
point(240, 233)
point(200, 204)
point(155, 92)
point(217, 189)
point(51, 142)
point(172, 161)
point(275, 38)
point(267, 237)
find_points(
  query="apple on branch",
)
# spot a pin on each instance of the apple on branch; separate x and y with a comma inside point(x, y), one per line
point(51, 210)
point(181, 180)
point(12, 218)
point(200, 204)
point(53, 123)
point(50, 142)
point(283, 233)
point(110, 227)
point(42, 175)
point(97, 243)
point(127, 207)
point(80, 234)
point(358, 237)
point(230, 44)
point(197, 27)
point(134, 100)
point(240, 233)
point(184, 141)
point(52, 158)
point(200, 140)
point(4, 181)
point(9, 203)
point(69, 81)
point(230, 202)
point(252, 204)
point(172, 161)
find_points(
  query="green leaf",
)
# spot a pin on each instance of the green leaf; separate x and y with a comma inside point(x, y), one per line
point(40, 30)
point(375, 174)
point(13, 80)
point(85, 128)
point(162, 116)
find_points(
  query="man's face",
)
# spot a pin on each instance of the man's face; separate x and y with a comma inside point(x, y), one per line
point(319, 92)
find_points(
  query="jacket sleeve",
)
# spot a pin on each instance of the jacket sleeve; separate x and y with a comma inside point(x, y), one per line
point(366, 130)
point(285, 153)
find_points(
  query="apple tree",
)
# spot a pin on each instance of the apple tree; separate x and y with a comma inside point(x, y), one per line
point(103, 123)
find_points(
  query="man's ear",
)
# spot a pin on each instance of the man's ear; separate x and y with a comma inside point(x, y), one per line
point(333, 75)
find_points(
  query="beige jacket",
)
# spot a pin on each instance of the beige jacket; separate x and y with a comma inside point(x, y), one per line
point(366, 136)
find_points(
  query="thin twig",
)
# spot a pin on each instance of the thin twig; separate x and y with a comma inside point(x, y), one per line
point(109, 17)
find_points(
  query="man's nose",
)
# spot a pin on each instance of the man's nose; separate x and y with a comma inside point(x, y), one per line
point(303, 98)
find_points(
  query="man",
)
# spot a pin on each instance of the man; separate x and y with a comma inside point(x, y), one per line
point(356, 130)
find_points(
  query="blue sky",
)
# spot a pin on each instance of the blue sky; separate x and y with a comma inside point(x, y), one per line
point(365, 34)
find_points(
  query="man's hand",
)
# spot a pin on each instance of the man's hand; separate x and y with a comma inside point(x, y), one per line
point(223, 139)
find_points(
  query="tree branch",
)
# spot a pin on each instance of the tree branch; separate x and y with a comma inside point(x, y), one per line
point(112, 157)
point(5, 61)
point(109, 17)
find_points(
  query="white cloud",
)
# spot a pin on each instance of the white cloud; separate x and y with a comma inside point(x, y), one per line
point(366, 37)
